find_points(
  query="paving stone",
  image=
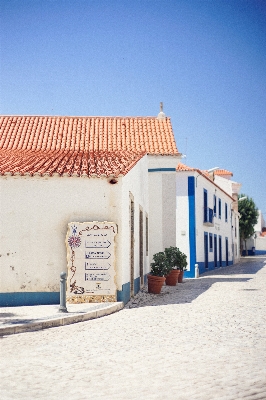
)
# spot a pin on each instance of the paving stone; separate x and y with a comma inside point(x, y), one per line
point(204, 339)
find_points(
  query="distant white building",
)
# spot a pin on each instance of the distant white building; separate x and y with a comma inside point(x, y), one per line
point(257, 243)
point(207, 220)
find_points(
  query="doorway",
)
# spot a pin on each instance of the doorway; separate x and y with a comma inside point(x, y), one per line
point(132, 248)
point(215, 251)
point(220, 252)
point(141, 247)
point(206, 251)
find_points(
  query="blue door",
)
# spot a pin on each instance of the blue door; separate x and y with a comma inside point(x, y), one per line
point(215, 251)
point(206, 258)
point(226, 250)
point(220, 252)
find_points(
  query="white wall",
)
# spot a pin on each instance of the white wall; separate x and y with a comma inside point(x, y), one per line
point(34, 214)
point(182, 215)
point(136, 183)
point(162, 203)
point(221, 227)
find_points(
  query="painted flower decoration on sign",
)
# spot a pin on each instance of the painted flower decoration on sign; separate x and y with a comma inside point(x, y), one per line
point(74, 241)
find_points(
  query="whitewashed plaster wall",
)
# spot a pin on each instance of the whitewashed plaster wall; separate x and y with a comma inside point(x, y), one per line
point(156, 213)
point(224, 183)
point(163, 161)
point(221, 227)
point(34, 214)
point(162, 202)
point(136, 184)
point(182, 215)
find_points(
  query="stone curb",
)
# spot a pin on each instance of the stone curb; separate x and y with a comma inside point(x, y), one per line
point(64, 319)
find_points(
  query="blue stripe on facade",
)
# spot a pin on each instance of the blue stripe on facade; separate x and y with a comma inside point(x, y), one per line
point(161, 169)
point(191, 227)
point(29, 299)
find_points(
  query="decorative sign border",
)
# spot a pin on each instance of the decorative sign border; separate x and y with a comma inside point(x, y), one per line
point(77, 293)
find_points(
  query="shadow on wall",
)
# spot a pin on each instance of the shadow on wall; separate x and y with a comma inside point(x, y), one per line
point(190, 289)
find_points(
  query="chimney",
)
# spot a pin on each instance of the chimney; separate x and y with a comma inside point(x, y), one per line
point(161, 114)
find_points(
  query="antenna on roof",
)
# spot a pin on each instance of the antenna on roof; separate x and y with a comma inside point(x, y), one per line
point(161, 114)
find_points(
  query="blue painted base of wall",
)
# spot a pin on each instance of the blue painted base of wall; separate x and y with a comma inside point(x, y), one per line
point(136, 285)
point(29, 299)
point(124, 294)
point(202, 269)
point(254, 253)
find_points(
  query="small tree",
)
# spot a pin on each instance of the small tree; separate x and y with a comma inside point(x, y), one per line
point(176, 259)
point(248, 219)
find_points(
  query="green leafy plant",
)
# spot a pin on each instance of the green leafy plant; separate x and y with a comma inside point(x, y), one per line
point(249, 217)
point(160, 265)
point(175, 258)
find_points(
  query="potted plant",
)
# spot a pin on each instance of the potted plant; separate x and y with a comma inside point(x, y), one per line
point(177, 262)
point(159, 268)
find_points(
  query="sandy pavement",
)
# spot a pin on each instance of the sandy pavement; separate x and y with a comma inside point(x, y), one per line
point(203, 339)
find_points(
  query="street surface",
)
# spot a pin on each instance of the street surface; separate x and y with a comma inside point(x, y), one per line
point(203, 339)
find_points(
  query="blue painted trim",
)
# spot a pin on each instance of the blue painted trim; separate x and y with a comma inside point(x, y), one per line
point(258, 252)
point(136, 285)
point(206, 251)
point(145, 279)
point(210, 242)
point(29, 299)
point(124, 294)
point(161, 169)
point(191, 227)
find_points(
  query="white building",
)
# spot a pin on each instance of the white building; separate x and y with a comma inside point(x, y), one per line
point(56, 170)
point(207, 220)
point(257, 243)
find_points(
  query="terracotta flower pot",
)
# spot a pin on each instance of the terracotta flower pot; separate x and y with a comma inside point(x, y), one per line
point(180, 277)
point(172, 278)
point(155, 283)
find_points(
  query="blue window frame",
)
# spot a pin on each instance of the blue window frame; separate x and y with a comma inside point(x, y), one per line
point(226, 212)
point(210, 242)
point(220, 208)
point(205, 204)
point(214, 205)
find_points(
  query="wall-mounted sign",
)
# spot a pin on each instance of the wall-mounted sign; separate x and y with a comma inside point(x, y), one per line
point(91, 262)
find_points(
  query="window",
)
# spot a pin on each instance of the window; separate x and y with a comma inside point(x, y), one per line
point(205, 203)
point(214, 205)
point(210, 242)
point(226, 212)
point(220, 208)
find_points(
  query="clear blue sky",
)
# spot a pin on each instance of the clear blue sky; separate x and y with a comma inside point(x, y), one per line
point(205, 59)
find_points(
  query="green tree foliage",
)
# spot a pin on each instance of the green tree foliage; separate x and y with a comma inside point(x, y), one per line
point(249, 217)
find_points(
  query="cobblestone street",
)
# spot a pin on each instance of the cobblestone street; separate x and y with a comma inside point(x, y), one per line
point(203, 339)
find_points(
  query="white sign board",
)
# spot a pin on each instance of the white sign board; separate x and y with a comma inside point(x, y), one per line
point(91, 262)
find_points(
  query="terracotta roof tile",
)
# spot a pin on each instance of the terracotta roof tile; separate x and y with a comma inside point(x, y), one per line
point(223, 172)
point(70, 163)
point(80, 145)
point(182, 167)
point(137, 134)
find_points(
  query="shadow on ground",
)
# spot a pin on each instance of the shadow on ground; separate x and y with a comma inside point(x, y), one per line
point(190, 289)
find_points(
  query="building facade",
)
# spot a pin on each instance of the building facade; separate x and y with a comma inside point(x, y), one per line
point(206, 222)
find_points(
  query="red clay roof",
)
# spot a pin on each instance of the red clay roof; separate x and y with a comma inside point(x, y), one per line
point(182, 167)
point(90, 146)
point(223, 172)
point(67, 162)
point(137, 134)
